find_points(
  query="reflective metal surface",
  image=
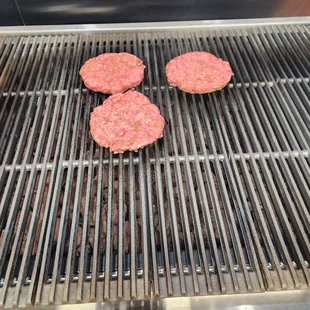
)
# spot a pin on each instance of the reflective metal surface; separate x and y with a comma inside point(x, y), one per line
point(33, 12)
point(269, 301)
point(119, 11)
point(151, 27)
point(9, 13)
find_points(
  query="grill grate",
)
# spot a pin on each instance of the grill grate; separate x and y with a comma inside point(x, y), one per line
point(219, 205)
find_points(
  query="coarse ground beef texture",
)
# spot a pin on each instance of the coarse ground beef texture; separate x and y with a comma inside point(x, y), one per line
point(198, 72)
point(112, 73)
point(126, 122)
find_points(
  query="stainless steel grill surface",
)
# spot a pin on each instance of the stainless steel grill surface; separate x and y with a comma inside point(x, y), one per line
point(220, 205)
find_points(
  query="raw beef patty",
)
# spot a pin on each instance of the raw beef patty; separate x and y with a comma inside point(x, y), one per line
point(126, 122)
point(112, 73)
point(198, 72)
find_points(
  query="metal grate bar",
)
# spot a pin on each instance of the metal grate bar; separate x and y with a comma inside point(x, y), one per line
point(305, 166)
point(178, 121)
point(243, 220)
point(284, 142)
point(5, 52)
point(303, 81)
point(248, 217)
point(44, 177)
point(291, 50)
point(237, 243)
point(260, 217)
point(170, 214)
point(297, 34)
point(201, 183)
point(132, 215)
point(286, 146)
point(235, 237)
point(158, 203)
point(263, 193)
point(4, 135)
point(214, 246)
point(78, 188)
point(218, 205)
point(300, 135)
point(110, 206)
point(121, 193)
point(284, 192)
point(86, 221)
point(203, 198)
point(236, 286)
point(179, 202)
point(5, 202)
point(210, 157)
point(92, 190)
point(213, 49)
point(5, 140)
point(12, 214)
point(48, 217)
point(275, 197)
point(109, 232)
point(274, 191)
point(77, 204)
point(120, 269)
point(18, 195)
point(229, 214)
point(58, 261)
point(143, 192)
point(10, 60)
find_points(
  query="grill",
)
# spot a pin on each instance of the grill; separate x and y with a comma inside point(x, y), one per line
point(219, 205)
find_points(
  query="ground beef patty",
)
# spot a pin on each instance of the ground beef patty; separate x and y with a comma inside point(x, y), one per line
point(126, 122)
point(198, 72)
point(112, 73)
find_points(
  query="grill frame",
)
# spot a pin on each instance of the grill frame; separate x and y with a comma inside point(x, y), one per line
point(226, 163)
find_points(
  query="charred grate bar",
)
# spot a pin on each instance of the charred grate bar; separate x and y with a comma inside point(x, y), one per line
point(219, 205)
